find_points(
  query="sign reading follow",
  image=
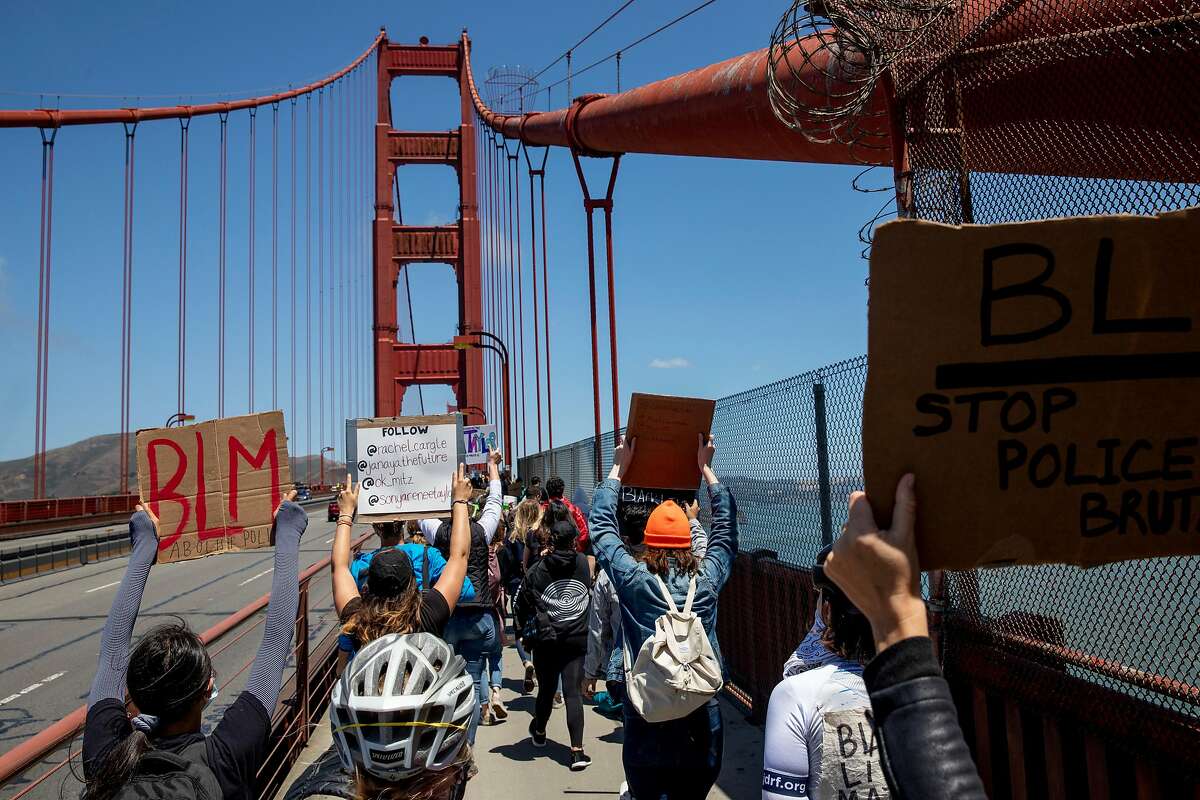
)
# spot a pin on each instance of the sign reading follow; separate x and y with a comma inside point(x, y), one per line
point(404, 464)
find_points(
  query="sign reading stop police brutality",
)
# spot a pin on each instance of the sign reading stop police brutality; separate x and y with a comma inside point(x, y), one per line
point(214, 486)
point(404, 464)
point(1041, 380)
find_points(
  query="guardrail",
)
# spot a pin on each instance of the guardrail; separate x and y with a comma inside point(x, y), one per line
point(33, 559)
point(302, 700)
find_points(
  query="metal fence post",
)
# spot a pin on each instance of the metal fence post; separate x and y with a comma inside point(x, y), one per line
point(302, 665)
point(824, 488)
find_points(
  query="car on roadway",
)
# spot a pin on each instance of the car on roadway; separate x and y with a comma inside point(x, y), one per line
point(303, 493)
point(333, 511)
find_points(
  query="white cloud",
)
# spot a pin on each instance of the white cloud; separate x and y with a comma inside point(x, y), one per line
point(670, 363)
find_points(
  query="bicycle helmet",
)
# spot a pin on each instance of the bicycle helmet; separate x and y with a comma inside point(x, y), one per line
point(402, 706)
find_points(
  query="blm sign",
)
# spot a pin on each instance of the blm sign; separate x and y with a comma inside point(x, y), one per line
point(1041, 380)
point(214, 486)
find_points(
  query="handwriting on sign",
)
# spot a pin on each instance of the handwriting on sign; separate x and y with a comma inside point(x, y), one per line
point(404, 464)
point(1042, 374)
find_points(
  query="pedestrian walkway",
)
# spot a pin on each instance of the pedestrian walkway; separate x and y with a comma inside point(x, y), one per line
point(510, 766)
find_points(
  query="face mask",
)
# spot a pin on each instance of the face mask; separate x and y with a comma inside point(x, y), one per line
point(212, 696)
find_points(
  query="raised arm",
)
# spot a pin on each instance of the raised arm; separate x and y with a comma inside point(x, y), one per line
point(723, 539)
point(118, 629)
point(611, 553)
point(450, 584)
point(490, 517)
point(924, 754)
point(266, 672)
point(344, 587)
point(699, 535)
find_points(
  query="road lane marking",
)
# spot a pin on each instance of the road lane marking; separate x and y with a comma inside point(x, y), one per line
point(98, 588)
point(327, 541)
point(32, 687)
point(256, 577)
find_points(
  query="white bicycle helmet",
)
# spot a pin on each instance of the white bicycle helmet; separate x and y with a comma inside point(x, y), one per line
point(402, 706)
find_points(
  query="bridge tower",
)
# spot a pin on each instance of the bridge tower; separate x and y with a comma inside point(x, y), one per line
point(399, 365)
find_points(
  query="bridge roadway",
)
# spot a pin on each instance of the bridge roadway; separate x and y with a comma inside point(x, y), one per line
point(50, 627)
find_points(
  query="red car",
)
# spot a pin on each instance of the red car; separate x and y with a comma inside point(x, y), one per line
point(333, 511)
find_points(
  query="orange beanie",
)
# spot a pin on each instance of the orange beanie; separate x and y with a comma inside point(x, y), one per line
point(668, 527)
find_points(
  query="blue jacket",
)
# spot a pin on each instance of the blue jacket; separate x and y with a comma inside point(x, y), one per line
point(416, 553)
point(641, 600)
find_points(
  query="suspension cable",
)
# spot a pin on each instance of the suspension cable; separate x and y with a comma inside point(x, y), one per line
point(250, 271)
point(519, 265)
point(292, 319)
point(127, 304)
point(509, 171)
point(546, 310)
point(221, 230)
point(537, 372)
point(42, 366)
point(275, 255)
point(181, 355)
point(321, 274)
point(308, 315)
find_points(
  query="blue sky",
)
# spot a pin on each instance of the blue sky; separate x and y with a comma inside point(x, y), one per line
point(730, 273)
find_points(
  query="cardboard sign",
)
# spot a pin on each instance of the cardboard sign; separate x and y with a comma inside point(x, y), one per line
point(1041, 381)
point(405, 465)
point(850, 763)
point(665, 428)
point(478, 441)
point(214, 486)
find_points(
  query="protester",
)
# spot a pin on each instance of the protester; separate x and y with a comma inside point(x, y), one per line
point(680, 758)
point(494, 710)
point(820, 736)
point(427, 561)
point(535, 490)
point(391, 602)
point(924, 754)
point(554, 491)
point(415, 677)
point(553, 608)
point(169, 676)
point(472, 629)
point(605, 655)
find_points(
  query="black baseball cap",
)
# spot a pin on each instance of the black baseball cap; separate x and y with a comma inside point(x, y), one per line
point(833, 592)
point(390, 573)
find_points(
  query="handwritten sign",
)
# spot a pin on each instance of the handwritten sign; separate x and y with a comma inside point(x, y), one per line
point(478, 441)
point(666, 428)
point(404, 464)
point(214, 486)
point(850, 766)
point(1041, 381)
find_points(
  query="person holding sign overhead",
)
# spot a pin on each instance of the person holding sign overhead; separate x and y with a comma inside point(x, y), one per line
point(679, 756)
point(391, 602)
point(170, 675)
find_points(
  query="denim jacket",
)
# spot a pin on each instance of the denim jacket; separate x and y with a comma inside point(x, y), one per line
point(641, 599)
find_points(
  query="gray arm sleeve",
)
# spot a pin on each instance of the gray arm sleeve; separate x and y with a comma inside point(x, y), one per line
point(266, 673)
point(118, 629)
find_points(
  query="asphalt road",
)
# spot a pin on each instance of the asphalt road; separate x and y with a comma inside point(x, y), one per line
point(50, 627)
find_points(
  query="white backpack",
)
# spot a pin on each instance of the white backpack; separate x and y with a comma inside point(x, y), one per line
point(676, 670)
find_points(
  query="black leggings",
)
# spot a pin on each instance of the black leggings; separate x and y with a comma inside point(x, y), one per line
point(550, 660)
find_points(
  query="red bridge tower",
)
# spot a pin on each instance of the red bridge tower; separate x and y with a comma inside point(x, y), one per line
point(399, 365)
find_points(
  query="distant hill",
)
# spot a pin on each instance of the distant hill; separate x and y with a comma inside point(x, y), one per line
point(92, 467)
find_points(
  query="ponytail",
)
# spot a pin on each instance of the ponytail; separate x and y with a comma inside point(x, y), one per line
point(114, 769)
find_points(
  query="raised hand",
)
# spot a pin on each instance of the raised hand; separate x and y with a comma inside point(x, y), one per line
point(704, 453)
point(287, 498)
point(623, 458)
point(878, 570)
point(348, 498)
point(692, 509)
point(461, 488)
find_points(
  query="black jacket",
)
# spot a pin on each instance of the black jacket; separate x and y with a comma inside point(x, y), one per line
point(477, 564)
point(924, 754)
point(557, 592)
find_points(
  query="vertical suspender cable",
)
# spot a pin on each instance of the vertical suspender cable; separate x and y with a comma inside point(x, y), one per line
point(321, 274)
point(43, 327)
point(275, 255)
point(612, 302)
point(347, 261)
point(223, 208)
point(127, 304)
point(485, 156)
point(512, 285)
point(181, 389)
point(520, 268)
point(250, 273)
point(332, 336)
point(546, 312)
point(308, 284)
point(500, 294)
point(537, 372)
point(292, 189)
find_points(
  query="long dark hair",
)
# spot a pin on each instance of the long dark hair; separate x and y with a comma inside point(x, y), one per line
point(169, 672)
point(560, 531)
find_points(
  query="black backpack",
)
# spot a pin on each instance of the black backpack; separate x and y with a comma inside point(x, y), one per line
point(162, 775)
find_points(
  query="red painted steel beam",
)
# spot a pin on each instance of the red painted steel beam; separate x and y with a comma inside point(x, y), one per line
point(51, 118)
point(721, 110)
